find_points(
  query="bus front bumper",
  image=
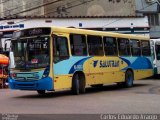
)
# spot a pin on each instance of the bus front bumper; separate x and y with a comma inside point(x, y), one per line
point(42, 84)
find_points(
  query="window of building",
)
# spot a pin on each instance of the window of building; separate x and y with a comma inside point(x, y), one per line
point(153, 19)
point(110, 46)
point(123, 47)
point(78, 45)
point(135, 47)
point(95, 46)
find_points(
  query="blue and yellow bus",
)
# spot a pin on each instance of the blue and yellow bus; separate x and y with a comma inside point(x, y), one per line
point(56, 58)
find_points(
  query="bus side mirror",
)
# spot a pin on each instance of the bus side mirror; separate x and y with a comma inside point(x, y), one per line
point(12, 62)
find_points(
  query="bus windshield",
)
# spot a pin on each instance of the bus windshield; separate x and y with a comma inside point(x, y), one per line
point(30, 53)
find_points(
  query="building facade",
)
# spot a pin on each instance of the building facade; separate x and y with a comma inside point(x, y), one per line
point(65, 8)
point(114, 15)
point(11, 8)
point(151, 9)
point(90, 8)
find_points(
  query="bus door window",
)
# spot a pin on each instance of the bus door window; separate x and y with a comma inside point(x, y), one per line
point(157, 47)
point(110, 46)
point(135, 47)
point(95, 46)
point(60, 48)
point(78, 45)
point(145, 48)
point(123, 47)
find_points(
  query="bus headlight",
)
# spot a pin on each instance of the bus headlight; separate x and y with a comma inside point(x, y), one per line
point(46, 72)
point(12, 75)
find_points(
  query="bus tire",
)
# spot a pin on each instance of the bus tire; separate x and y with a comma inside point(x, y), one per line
point(41, 92)
point(78, 84)
point(75, 84)
point(129, 78)
point(82, 84)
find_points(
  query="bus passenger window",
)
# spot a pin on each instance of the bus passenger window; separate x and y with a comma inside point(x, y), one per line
point(78, 45)
point(157, 48)
point(60, 48)
point(95, 46)
point(123, 47)
point(110, 46)
point(135, 47)
point(146, 51)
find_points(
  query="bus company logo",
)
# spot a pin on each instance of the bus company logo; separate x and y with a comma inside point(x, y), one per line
point(95, 63)
point(109, 63)
point(105, 63)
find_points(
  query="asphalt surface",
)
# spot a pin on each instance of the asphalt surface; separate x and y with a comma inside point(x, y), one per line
point(142, 98)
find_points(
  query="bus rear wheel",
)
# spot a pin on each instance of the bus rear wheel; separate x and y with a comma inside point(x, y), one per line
point(78, 84)
point(41, 92)
point(129, 79)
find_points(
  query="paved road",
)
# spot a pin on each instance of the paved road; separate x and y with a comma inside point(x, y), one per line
point(144, 97)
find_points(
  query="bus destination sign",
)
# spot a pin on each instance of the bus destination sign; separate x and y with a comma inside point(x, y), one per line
point(31, 32)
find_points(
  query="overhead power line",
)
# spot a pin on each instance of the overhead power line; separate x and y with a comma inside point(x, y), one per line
point(4, 1)
point(15, 8)
point(62, 5)
point(42, 5)
point(148, 5)
point(122, 18)
point(39, 6)
point(71, 6)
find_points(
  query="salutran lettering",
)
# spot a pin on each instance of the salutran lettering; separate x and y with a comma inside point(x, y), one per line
point(109, 63)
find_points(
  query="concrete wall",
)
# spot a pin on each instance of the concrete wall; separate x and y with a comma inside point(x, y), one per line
point(91, 8)
point(14, 7)
point(69, 7)
point(144, 7)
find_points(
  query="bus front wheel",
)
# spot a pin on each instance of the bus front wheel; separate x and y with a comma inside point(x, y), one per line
point(41, 92)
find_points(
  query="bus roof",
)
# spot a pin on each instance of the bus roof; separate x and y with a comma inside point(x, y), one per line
point(101, 33)
point(91, 32)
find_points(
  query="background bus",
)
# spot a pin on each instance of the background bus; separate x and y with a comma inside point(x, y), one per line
point(55, 58)
point(155, 43)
